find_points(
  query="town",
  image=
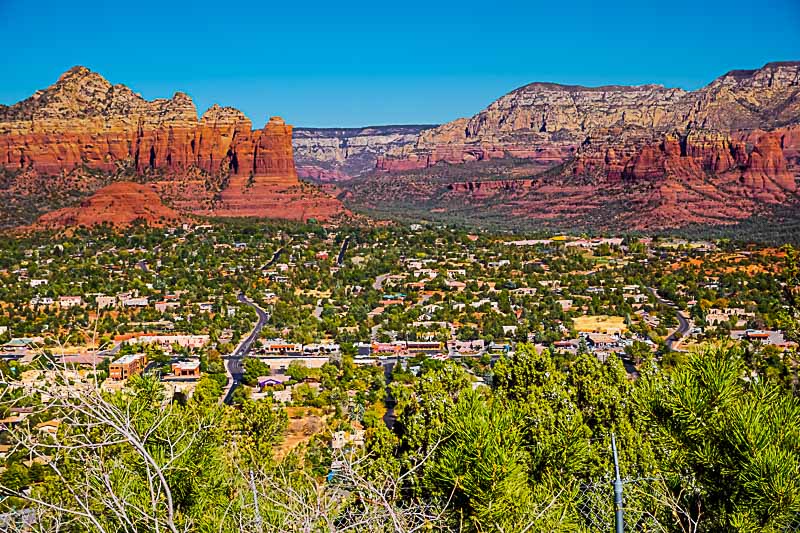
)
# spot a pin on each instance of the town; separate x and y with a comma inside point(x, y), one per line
point(331, 327)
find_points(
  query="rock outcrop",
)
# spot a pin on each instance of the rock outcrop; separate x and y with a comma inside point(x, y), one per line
point(216, 164)
point(119, 204)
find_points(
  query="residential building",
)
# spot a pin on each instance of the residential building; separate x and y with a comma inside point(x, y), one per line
point(142, 301)
point(65, 302)
point(167, 341)
point(104, 302)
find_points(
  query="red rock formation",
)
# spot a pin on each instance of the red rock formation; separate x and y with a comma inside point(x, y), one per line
point(717, 154)
point(119, 204)
point(84, 121)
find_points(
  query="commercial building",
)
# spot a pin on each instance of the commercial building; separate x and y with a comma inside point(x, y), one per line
point(128, 365)
point(186, 369)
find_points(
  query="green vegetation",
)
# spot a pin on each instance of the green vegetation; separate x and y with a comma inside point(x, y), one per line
point(436, 380)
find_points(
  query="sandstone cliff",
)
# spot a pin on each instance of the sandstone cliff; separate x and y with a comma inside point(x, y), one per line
point(216, 164)
point(338, 154)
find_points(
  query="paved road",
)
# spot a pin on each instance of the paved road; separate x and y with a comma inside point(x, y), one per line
point(378, 284)
point(111, 351)
point(275, 257)
point(233, 362)
point(683, 324)
point(389, 418)
point(318, 310)
point(340, 258)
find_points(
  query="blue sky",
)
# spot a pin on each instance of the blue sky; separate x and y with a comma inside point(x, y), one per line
point(352, 63)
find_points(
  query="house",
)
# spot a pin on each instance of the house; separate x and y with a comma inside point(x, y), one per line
point(37, 282)
point(164, 306)
point(375, 312)
point(21, 345)
point(392, 299)
point(270, 298)
point(271, 381)
point(566, 305)
point(600, 341)
point(766, 337)
point(340, 439)
point(50, 427)
point(205, 306)
point(104, 302)
point(65, 302)
point(524, 291)
point(136, 302)
point(283, 396)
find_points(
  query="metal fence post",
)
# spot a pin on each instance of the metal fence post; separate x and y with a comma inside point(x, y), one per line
point(618, 520)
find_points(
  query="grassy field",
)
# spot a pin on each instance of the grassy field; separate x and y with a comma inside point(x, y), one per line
point(600, 324)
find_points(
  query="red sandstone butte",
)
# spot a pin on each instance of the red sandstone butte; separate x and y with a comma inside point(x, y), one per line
point(217, 165)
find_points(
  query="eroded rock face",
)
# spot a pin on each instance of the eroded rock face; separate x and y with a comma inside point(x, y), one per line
point(338, 154)
point(83, 121)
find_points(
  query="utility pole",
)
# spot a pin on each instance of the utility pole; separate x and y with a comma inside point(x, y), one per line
point(618, 520)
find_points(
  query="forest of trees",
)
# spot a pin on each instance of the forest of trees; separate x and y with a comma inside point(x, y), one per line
point(707, 445)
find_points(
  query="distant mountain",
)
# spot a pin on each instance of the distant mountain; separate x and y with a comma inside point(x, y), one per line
point(83, 132)
point(338, 154)
point(641, 157)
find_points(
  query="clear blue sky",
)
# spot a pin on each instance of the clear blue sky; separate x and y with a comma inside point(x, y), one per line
point(351, 63)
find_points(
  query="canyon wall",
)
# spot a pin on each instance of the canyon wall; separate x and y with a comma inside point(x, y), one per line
point(644, 157)
point(338, 154)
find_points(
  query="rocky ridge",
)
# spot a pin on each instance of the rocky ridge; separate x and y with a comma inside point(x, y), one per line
point(716, 155)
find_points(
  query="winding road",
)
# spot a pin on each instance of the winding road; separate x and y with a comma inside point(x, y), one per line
point(683, 324)
point(272, 261)
point(233, 362)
